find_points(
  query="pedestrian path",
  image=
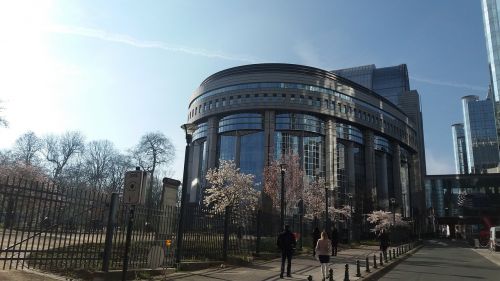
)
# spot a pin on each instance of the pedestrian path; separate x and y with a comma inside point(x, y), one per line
point(302, 267)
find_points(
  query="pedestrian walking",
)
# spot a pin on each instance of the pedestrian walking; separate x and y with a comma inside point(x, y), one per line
point(286, 243)
point(324, 248)
point(384, 242)
point(315, 237)
point(335, 241)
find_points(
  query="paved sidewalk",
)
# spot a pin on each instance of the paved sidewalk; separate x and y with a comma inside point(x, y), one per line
point(302, 267)
point(25, 275)
point(494, 257)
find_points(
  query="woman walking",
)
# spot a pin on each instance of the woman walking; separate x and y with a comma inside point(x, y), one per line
point(324, 249)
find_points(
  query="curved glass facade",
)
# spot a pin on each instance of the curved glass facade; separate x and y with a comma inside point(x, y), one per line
point(241, 139)
point(345, 133)
point(304, 135)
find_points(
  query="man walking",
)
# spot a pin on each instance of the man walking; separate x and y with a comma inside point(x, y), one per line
point(286, 243)
point(335, 241)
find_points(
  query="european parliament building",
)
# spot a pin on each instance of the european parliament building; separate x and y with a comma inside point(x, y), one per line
point(360, 128)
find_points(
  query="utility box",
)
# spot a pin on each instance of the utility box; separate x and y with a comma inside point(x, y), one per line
point(134, 192)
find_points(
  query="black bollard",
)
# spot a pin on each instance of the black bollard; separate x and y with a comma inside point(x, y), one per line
point(374, 261)
point(390, 255)
point(381, 260)
point(385, 256)
point(309, 278)
point(394, 253)
point(346, 275)
point(358, 269)
point(330, 277)
point(367, 265)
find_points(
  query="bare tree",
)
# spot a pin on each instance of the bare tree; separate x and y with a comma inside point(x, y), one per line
point(58, 150)
point(27, 147)
point(97, 157)
point(154, 150)
point(116, 174)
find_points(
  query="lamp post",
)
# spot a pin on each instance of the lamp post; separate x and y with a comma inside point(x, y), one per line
point(393, 204)
point(282, 214)
point(188, 129)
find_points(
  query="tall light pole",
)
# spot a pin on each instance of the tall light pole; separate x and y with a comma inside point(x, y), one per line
point(188, 129)
point(282, 217)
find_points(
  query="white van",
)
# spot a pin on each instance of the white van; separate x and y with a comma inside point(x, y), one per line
point(495, 238)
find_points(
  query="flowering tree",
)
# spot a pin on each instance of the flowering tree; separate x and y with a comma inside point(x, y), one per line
point(314, 198)
point(384, 220)
point(293, 181)
point(229, 187)
point(343, 212)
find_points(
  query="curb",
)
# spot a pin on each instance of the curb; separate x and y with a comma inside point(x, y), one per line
point(388, 267)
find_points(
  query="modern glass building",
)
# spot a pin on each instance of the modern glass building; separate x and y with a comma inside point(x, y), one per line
point(360, 141)
point(460, 148)
point(469, 201)
point(491, 17)
point(480, 134)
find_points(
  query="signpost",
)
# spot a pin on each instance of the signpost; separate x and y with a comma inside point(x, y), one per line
point(134, 194)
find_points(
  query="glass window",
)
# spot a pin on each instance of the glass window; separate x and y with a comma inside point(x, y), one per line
point(301, 122)
point(242, 121)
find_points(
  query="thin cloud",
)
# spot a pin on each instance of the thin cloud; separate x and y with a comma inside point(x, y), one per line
point(131, 41)
point(449, 84)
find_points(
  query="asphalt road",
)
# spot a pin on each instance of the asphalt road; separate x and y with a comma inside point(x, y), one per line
point(444, 260)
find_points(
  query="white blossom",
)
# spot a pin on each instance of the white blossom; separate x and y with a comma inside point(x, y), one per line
point(229, 187)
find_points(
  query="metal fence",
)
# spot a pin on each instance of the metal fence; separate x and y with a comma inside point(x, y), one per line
point(50, 227)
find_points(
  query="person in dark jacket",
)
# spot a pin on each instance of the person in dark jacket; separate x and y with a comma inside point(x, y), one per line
point(286, 243)
point(335, 241)
point(315, 237)
point(384, 242)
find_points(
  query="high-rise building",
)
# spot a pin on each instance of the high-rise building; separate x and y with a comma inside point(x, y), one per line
point(491, 19)
point(480, 134)
point(393, 84)
point(460, 148)
point(364, 145)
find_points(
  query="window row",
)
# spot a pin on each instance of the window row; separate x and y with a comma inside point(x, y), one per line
point(346, 109)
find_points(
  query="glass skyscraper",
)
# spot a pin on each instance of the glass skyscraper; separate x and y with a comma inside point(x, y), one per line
point(460, 148)
point(480, 134)
point(491, 15)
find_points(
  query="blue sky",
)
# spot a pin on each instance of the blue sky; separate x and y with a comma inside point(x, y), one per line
point(117, 69)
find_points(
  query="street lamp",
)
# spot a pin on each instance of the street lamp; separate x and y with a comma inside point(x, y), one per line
point(189, 130)
point(393, 204)
point(282, 217)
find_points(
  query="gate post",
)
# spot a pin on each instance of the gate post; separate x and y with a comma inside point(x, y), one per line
point(113, 206)
point(225, 244)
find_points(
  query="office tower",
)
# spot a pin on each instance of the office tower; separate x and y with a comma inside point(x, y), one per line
point(480, 134)
point(393, 84)
point(459, 148)
point(491, 17)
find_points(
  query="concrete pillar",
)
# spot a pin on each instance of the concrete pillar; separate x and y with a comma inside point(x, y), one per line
point(212, 140)
point(370, 192)
point(168, 203)
point(351, 169)
point(269, 126)
point(382, 185)
point(331, 153)
point(396, 173)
